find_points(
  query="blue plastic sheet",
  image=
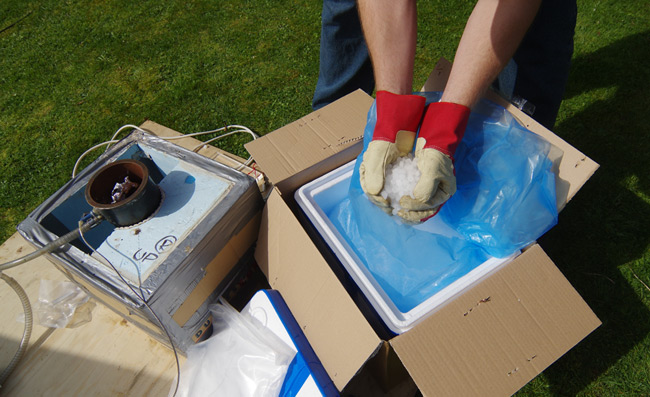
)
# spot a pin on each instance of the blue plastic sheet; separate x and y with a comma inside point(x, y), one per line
point(506, 190)
point(505, 200)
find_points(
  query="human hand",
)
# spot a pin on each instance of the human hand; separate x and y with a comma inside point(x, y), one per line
point(398, 117)
point(442, 129)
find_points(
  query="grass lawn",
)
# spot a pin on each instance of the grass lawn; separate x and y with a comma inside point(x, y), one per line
point(72, 72)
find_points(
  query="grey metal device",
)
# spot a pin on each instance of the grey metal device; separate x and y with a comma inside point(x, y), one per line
point(203, 204)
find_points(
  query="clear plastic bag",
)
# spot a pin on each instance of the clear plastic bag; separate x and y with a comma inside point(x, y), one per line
point(241, 358)
point(505, 200)
point(57, 303)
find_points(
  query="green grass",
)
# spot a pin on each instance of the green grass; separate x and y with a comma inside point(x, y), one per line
point(73, 72)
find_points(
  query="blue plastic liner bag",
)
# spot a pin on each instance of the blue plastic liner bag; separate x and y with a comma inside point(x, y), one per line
point(505, 196)
point(505, 200)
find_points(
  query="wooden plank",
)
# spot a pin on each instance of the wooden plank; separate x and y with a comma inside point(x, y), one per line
point(106, 356)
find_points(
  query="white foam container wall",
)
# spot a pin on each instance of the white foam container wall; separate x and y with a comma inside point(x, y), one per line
point(320, 196)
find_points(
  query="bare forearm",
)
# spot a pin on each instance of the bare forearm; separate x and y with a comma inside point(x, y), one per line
point(491, 37)
point(390, 29)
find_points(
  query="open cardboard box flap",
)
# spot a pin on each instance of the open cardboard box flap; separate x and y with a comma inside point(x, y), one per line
point(492, 339)
point(331, 321)
point(314, 144)
point(500, 334)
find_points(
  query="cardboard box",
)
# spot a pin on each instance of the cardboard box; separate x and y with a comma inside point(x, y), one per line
point(472, 345)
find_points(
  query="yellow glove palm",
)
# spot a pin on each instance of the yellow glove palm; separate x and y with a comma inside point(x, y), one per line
point(398, 117)
point(436, 185)
point(377, 157)
point(442, 129)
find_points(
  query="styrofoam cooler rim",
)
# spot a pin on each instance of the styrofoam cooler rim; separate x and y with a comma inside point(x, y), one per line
point(397, 321)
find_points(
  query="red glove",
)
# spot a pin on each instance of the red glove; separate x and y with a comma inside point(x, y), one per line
point(442, 129)
point(398, 117)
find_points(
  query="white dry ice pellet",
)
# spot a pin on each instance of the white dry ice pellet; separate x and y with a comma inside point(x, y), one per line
point(400, 180)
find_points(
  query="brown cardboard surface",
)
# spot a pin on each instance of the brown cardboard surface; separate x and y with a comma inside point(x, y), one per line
point(499, 335)
point(314, 144)
point(491, 340)
point(386, 368)
point(336, 329)
point(574, 169)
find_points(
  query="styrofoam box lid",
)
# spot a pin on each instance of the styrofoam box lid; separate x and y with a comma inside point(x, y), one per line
point(318, 198)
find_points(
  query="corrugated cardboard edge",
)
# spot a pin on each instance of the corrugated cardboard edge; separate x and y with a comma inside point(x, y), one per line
point(499, 335)
point(574, 169)
point(338, 332)
point(507, 329)
point(290, 162)
point(314, 144)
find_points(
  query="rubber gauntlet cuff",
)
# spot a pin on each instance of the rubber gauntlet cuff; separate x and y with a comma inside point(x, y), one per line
point(443, 126)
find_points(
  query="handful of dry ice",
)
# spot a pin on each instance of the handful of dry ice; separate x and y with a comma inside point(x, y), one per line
point(400, 180)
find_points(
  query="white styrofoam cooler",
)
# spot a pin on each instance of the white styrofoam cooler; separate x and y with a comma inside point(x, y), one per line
point(318, 197)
